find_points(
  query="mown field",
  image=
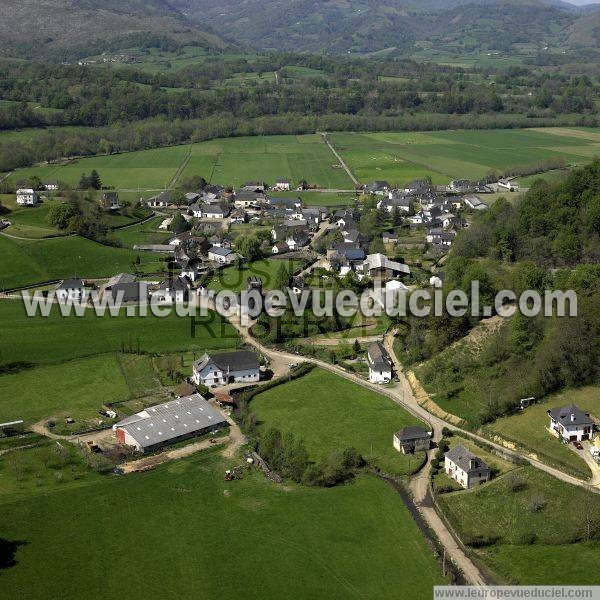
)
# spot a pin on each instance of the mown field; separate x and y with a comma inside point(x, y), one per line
point(394, 156)
point(331, 414)
point(524, 521)
point(445, 155)
point(234, 161)
point(26, 262)
point(206, 537)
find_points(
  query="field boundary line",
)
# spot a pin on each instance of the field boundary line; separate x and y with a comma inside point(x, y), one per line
point(181, 168)
point(341, 160)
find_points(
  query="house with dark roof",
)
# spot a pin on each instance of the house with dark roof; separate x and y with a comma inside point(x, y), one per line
point(376, 187)
point(214, 211)
point(129, 292)
point(465, 467)
point(412, 439)
point(226, 367)
point(224, 256)
point(380, 363)
point(173, 291)
point(161, 201)
point(110, 201)
point(570, 423)
point(71, 290)
point(169, 423)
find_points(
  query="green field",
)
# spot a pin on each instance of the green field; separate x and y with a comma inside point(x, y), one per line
point(445, 155)
point(536, 515)
point(182, 529)
point(528, 428)
point(144, 233)
point(331, 414)
point(234, 161)
point(145, 169)
point(26, 262)
point(236, 280)
point(56, 339)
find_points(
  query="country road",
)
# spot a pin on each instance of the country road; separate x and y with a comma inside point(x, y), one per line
point(340, 159)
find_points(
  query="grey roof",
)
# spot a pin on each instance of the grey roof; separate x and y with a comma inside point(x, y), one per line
point(238, 360)
point(412, 432)
point(378, 356)
point(71, 284)
point(120, 278)
point(215, 209)
point(133, 291)
point(570, 415)
point(176, 418)
point(220, 251)
point(462, 458)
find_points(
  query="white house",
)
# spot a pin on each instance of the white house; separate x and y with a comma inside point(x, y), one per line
point(224, 256)
point(570, 423)
point(466, 468)
point(226, 367)
point(282, 185)
point(27, 197)
point(196, 210)
point(71, 290)
point(214, 211)
point(380, 363)
point(506, 184)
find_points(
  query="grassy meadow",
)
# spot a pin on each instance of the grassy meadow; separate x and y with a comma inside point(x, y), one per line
point(247, 538)
point(331, 413)
point(533, 516)
point(400, 157)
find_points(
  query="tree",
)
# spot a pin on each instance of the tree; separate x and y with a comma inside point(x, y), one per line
point(179, 224)
point(249, 247)
point(396, 216)
point(59, 215)
point(94, 180)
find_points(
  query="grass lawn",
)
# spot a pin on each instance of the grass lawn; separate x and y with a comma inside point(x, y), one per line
point(534, 513)
point(205, 537)
point(528, 430)
point(56, 339)
point(144, 233)
point(330, 413)
point(445, 155)
point(234, 279)
point(28, 262)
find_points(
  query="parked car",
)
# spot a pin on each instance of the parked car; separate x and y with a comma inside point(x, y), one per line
point(578, 445)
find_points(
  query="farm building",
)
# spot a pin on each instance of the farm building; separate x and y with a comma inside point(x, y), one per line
point(71, 289)
point(466, 468)
point(380, 363)
point(222, 255)
point(168, 423)
point(227, 367)
point(570, 423)
point(412, 439)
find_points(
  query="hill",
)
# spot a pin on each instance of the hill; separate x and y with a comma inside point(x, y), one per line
point(375, 25)
point(73, 28)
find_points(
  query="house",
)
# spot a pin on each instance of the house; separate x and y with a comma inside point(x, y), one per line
point(379, 266)
point(297, 239)
point(168, 423)
point(161, 201)
point(173, 291)
point(283, 185)
point(190, 267)
point(475, 202)
point(570, 423)
point(354, 237)
point(412, 439)
point(460, 186)
point(284, 202)
point(380, 363)
point(226, 367)
point(117, 279)
point(506, 184)
point(297, 284)
point(110, 201)
point(447, 219)
point(129, 292)
point(416, 186)
point(71, 290)
point(254, 186)
point(280, 248)
point(439, 236)
point(400, 202)
point(214, 211)
point(245, 199)
point(195, 210)
point(389, 237)
point(51, 186)
point(379, 188)
point(463, 466)
point(224, 256)
point(27, 197)
point(192, 197)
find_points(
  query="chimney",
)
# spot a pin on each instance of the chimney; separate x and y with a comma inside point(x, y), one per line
point(572, 417)
point(473, 463)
